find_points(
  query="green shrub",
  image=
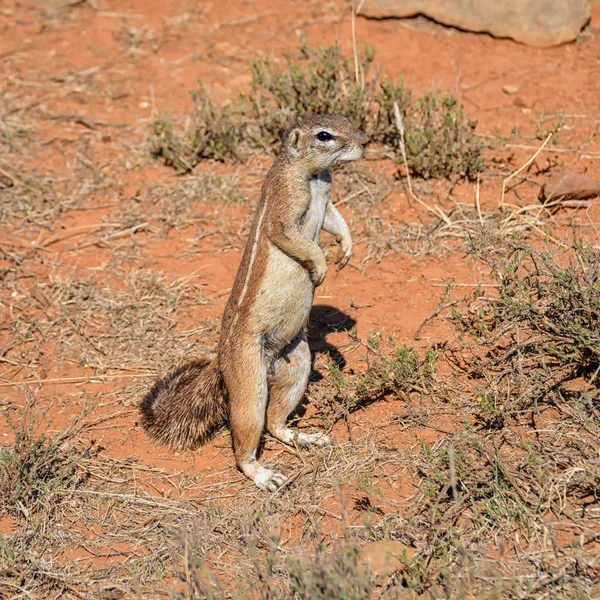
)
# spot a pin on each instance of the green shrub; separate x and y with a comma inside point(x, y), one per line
point(440, 141)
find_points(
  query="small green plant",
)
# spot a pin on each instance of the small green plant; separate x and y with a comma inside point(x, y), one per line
point(324, 84)
point(439, 140)
point(549, 124)
point(392, 370)
point(399, 372)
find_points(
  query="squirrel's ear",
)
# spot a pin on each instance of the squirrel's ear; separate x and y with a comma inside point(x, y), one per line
point(291, 138)
point(295, 138)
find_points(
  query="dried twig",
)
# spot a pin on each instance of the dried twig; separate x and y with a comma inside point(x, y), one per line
point(521, 169)
point(400, 127)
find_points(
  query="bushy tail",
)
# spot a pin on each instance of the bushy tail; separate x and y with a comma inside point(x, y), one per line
point(186, 407)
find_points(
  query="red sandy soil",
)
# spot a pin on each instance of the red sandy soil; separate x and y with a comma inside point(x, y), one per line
point(214, 44)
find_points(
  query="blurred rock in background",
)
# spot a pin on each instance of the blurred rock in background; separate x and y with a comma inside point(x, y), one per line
point(533, 22)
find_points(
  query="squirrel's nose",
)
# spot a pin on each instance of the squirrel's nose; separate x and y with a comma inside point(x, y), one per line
point(363, 138)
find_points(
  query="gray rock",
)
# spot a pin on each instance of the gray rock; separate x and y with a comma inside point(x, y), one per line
point(533, 22)
point(568, 185)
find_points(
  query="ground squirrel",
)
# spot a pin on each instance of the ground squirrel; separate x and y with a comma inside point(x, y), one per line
point(263, 362)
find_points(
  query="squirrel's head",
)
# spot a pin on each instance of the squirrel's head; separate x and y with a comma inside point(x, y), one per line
point(323, 141)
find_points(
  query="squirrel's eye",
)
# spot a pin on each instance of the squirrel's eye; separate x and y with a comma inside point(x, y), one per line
point(324, 136)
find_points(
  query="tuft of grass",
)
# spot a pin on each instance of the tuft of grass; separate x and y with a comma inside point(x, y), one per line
point(214, 133)
point(323, 82)
point(58, 492)
point(541, 329)
point(440, 141)
point(31, 200)
point(175, 205)
point(391, 370)
point(321, 574)
point(526, 460)
point(135, 324)
point(36, 467)
point(14, 128)
point(397, 370)
point(136, 40)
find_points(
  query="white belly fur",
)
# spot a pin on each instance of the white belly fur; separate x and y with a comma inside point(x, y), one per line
point(282, 306)
point(320, 193)
point(282, 309)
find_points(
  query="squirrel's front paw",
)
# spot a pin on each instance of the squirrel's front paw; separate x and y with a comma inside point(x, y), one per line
point(318, 273)
point(345, 254)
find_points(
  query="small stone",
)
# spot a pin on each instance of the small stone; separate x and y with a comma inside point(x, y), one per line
point(519, 102)
point(569, 185)
point(383, 559)
point(111, 593)
point(510, 89)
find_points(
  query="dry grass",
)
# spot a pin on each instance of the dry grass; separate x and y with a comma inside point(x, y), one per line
point(493, 513)
point(125, 330)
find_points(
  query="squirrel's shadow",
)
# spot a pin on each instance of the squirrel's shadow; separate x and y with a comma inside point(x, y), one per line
point(323, 320)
